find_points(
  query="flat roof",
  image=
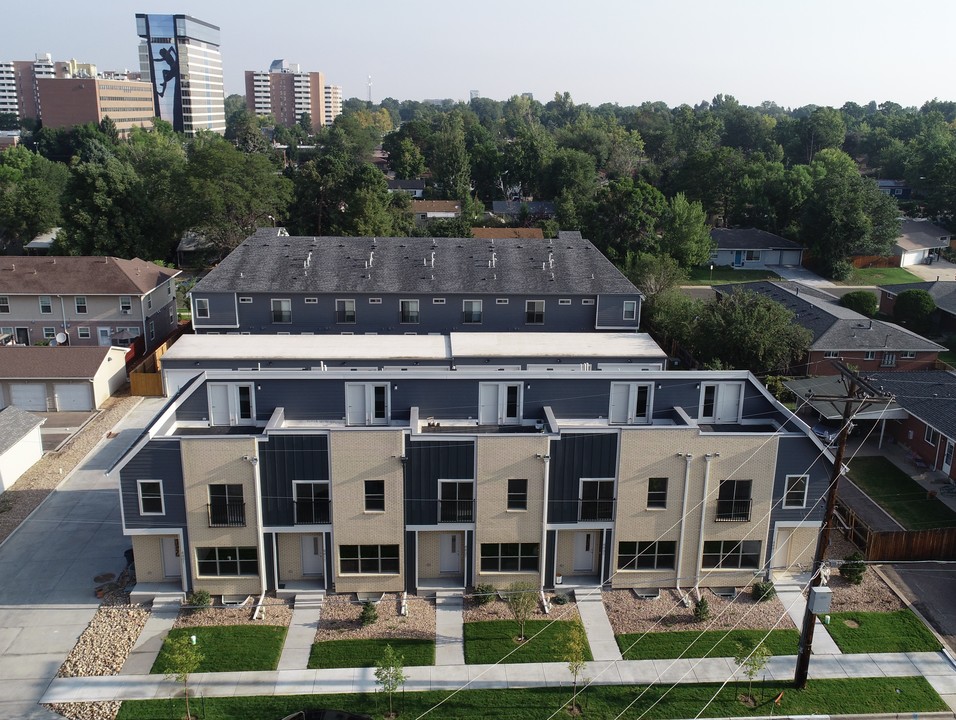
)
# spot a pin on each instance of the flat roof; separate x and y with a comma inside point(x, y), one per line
point(527, 344)
point(309, 347)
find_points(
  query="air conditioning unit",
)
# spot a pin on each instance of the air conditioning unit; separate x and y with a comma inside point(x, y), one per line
point(126, 311)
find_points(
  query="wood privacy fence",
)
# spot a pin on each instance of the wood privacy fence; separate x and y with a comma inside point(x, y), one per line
point(895, 545)
point(146, 379)
point(875, 261)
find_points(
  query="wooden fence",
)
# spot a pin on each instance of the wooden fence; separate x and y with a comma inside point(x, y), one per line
point(893, 545)
point(146, 379)
point(875, 261)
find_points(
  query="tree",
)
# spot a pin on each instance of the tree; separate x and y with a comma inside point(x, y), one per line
point(9, 121)
point(863, 301)
point(914, 309)
point(31, 192)
point(305, 122)
point(575, 654)
point(390, 674)
point(522, 598)
point(686, 236)
point(449, 159)
point(654, 274)
point(752, 661)
point(182, 659)
point(406, 160)
point(625, 217)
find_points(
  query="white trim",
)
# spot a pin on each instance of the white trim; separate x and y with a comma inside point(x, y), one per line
point(806, 489)
point(162, 496)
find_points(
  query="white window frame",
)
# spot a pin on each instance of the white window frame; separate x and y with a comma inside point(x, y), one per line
point(311, 301)
point(4, 304)
point(412, 303)
point(245, 299)
point(152, 330)
point(930, 436)
point(201, 306)
point(564, 301)
point(908, 355)
point(889, 359)
point(705, 419)
point(272, 310)
point(633, 393)
point(374, 301)
point(587, 301)
point(438, 301)
point(83, 333)
point(370, 417)
point(831, 354)
point(527, 311)
point(126, 303)
point(502, 417)
point(46, 304)
point(162, 496)
point(234, 403)
point(751, 255)
point(786, 490)
point(501, 301)
point(49, 333)
point(77, 305)
point(630, 310)
point(869, 355)
point(480, 312)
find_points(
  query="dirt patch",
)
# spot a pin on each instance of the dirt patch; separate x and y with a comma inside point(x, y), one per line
point(339, 619)
point(497, 609)
point(275, 612)
point(851, 623)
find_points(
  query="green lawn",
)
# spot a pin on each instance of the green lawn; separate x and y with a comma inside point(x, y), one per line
point(661, 645)
point(723, 275)
point(880, 276)
point(232, 648)
point(491, 640)
point(366, 653)
point(900, 495)
point(903, 696)
point(899, 631)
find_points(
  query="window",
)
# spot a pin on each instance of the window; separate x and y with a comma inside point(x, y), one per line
point(630, 309)
point(226, 507)
point(150, 497)
point(46, 305)
point(630, 403)
point(501, 301)
point(126, 304)
point(152, 330)
point(889, 360)
point(831, 354)
point(227, 561)
point(733, 501)
point(795, 495)
point(720, 402)
point(313, 505)
point(245, 300)
point(564, 301)
point(456, 501)
point(930, 436)
point(374, 496)
point(172, 315)
point(375, 301)
point(149, 302)
point(83, 333)
point(345, 311)
point(471, 311)
point(202, 307)
point(134, 331)
point(752, 255)
point(908, 355)
point(597, 500)
point(509, 557)
point(438, 301)
point(4, 304)
point(869, 355)
point(731, 554)
point(49, 333)
point(281, 311)
point(658, 555)
point(368, 559)
point(587, 301)
point(657, 492)
point(534, 312)
point(311, 301)
point(517, 494)
point(80, 303)
point(408, 311)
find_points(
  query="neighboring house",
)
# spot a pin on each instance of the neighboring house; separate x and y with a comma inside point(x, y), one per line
point(47, 379)
point(90, 299)
point(20, 444)
point(412, 467)
point(427, 210)
point(895, 188)
point(512, 210)
point(483, 233)
point(749, 247)
point(920, 242)
point(943, 293)
point(275, 284)
point(415, 188)
point(843, 334)
point(42, 243)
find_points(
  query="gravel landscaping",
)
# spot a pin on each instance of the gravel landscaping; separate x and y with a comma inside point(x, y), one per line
point(275, 612)
point(873, 595)
point(497, 609)
point(339, 619)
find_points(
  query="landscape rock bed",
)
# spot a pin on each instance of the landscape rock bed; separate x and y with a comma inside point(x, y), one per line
point(339, 619)
point(275, 612)
point(497, 609)
point(872, 595)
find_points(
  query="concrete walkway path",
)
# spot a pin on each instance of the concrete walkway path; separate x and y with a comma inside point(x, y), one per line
point(597, 626)
point(449, 629)
point(150, 641)
point(302, 629)
point(790, 591)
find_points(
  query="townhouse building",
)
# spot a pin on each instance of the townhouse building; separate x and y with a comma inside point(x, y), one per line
point(390, 463)
point(92, 300)
point(276, 284)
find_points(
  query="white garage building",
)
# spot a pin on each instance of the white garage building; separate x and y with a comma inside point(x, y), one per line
point(920, 242)
point(20, 444)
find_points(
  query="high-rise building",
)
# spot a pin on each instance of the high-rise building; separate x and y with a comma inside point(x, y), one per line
point(18, 84)
point(77, 101)
point(180, 55)
point(285, 92)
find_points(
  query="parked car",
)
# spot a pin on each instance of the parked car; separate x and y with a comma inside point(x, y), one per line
point(828, 430)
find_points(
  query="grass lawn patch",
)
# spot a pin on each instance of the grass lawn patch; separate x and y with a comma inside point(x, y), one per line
point(899, 494)
point(489, 641)
point(366, 653)
point(724, 275)
point(694, 644)
point(862, 632)
point(902, 696)
point(880, 276)
point(231, 648)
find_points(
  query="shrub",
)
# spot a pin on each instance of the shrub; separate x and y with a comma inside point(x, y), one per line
point(840, 269)
point(863, 301)
point(200, 598)
point(761, 591)
point(702, 610)
point(853, 568)
point(369, 614)
point(483, 594)
point(559, 600)
point(914, 309)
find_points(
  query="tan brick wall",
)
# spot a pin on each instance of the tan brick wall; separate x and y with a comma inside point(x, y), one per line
point(794, 547)
point(357, 456)
point(219, 461)
point(564, 557)
point(289, 555)
point(148, 552)
point(429, 554)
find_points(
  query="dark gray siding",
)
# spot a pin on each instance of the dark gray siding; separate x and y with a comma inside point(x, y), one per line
point(610, 311)
point(222, 311)
point(163, 317)
point(550, 553)
point(268, 547)
point(469, 558)
point(411, 562)
point(756, 406)
point(195, 407)
point(427, 462)
point(800, 456)
point(607, 552)
point(158, 460)
point(574, 456)
point(283, 459)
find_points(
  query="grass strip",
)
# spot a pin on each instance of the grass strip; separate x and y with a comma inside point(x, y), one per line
point(711, 643)
point(366, 653)
point(900, 495)
point(491, 640)
point(863, 632)
point(231, 648)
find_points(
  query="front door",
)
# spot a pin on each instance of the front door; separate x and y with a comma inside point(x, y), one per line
point(449, 553)
point(948, 456)
point(312, 559)
point(104, 336)
point(781, 555)
point(172, 564)
point(488, 404)
point(218, 404)
point(23, 336)
point(584, 552)
point(738, 258)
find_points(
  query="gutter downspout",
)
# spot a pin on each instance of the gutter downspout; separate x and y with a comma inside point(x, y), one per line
point(544, 519)
point(703, 515)
point(63, 313)
point(260, 541)
point(683, 521)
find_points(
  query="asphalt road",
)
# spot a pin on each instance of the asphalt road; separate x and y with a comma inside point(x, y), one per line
point(930, 587)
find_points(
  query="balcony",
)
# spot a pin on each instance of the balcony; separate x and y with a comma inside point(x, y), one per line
point(281, 316)
point(456, 511)
point(471, 318)
point(231, 514)
point(733, 511)
point(345, 316)
point(313, 512)
point(590, 510)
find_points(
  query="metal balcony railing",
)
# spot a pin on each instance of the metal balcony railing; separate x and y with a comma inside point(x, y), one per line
point(231, 514)
point(733, 511)
point(456, 511)
point(313, 512)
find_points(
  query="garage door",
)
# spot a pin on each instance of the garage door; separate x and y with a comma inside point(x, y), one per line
point(28, 396)
point(73, 396)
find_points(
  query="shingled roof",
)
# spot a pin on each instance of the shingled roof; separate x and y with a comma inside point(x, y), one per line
point(943, 292)
point(50, 363)
point(929, 395)
point(14, 424)
point(83, 275)
point(833, 326)
point(750, 239)
point(266, 262)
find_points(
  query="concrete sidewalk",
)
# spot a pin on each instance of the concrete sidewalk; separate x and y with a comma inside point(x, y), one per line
point(298, 640)
point(449, 629)
point(162, 616)
point(790, 592)
point(597, 627)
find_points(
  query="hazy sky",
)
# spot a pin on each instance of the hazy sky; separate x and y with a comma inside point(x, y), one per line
point(793, 52)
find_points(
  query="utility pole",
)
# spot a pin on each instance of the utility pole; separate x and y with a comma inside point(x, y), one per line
point(823, 540)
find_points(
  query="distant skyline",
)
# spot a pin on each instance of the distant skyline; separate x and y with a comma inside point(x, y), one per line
point(824, 52)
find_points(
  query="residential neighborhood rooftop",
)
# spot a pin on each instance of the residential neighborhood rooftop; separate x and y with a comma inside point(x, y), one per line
point(943, 292)
point(14, 424)
point(70, 275)
point(921, 234)
point(483, 233)
point(929, 395)
point(436, 206)
point(750, 239)
point(50, 362)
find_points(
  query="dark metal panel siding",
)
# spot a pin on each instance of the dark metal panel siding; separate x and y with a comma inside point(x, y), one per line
point(610, 311)
point(283, 459)
point(607, 553)
point(311, 399)
point(427, 462)
point(550, 553)
point(222, 311)
point(411, 562)
point(469, 558)
point(329, 561)
point(268, 544)
point(756, 406)
point(158, 460)
point(800, 456)
point(573, 457)
point(195, 407)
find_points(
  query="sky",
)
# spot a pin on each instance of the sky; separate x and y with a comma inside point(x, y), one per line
point(792, 52)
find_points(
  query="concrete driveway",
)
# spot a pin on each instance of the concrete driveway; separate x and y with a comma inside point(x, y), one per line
point(48, 566)
point(800, 274)
point(61, 426)
point(930, 587)
point(939, 270)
